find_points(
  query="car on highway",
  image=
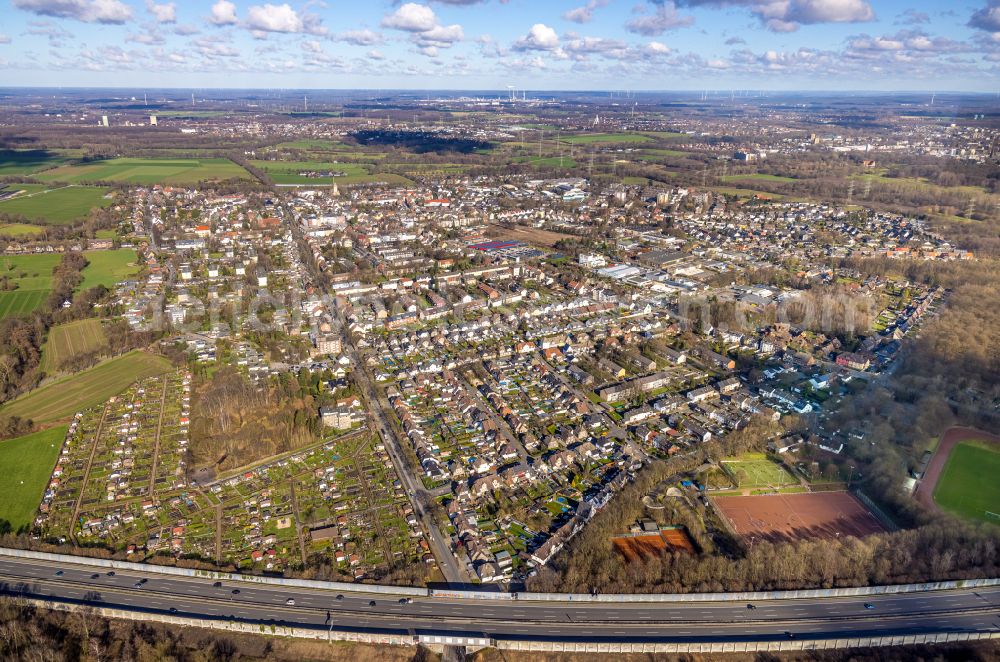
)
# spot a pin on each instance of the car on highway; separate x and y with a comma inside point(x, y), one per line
point(110, 573)
point(405, 601)
point(59, 573)
point(96, 575)
point(173, 610)
point(137, 585)
point(751, 606)
point(869, 605)
point(290, 602)
point(371, 604)
point(340, 597)
point(217, 585)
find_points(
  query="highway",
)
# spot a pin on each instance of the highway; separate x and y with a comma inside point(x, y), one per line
point(961, 610)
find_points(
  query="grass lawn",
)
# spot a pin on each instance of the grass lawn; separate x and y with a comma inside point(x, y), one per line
point(67, 340)
point(21, 230)
point(148, 171)
point(591, 138)
point(27, 463)
point(108, 268)
point(60, 206)
point(755, 470)
point(969, 485)
point(64, 397)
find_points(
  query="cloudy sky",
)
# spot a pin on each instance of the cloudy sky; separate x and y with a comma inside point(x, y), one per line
point(490, 44)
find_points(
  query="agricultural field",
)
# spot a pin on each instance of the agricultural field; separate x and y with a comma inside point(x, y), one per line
point(28, 161)
point(313, 145)
point(592, 138)
point(68, 340)
point(27, 463)
point(148, 171)
point(755, 470)
point(969, 485)
point(32, 276)
point(59, 206)
point(288, 172)
point(20, 230)
point(65, 397)
point(108, 268)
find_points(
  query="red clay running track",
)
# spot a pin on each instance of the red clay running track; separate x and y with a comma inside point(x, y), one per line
point(804, 516)
point(951, 438)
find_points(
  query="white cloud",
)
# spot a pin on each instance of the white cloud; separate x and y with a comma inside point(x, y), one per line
point(88, 11)
point(428, 34)
point(585, 13)
point(274, 18)
point(4, 38)
point(411, 17)
point(656, 48)
point(987, 18)
point(787, 15)
point(664, 17)
point(166, 13)
point(375, 55)
point(364, 37)
point(539, 38)
point(223, 13)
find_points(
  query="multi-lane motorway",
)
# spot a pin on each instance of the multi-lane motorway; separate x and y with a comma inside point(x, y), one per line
point(963, 610)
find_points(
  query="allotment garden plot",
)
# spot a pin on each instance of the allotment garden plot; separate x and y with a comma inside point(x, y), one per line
point(121, 481)
point(116, 459)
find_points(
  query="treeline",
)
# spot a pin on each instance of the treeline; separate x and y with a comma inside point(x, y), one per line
point(30, 633)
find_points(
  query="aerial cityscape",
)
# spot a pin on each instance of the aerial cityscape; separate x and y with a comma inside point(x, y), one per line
point(495, 331)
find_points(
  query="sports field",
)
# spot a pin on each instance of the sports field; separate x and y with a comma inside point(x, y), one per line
point(755, 470)
point(797, 516)
point(61, 399)
point(27, 465)
point(970, 483)
point(108, 268)
point(32, 275)
point(60, 205)
point(68, 340)
point(147, 171)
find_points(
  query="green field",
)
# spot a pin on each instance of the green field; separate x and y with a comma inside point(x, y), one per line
point(746, 193)
point(54, 205)
point(317, 145)
point(755, 470)
point(27, 463)
point(147, 171)
point(591, 138)
point(67, 340)
point(27, 161)
point(108, 268)
point(32, 276)
point(20, 230)
point(969, 486)
point(287, 172)
point(61, 399)
point(547, 161)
